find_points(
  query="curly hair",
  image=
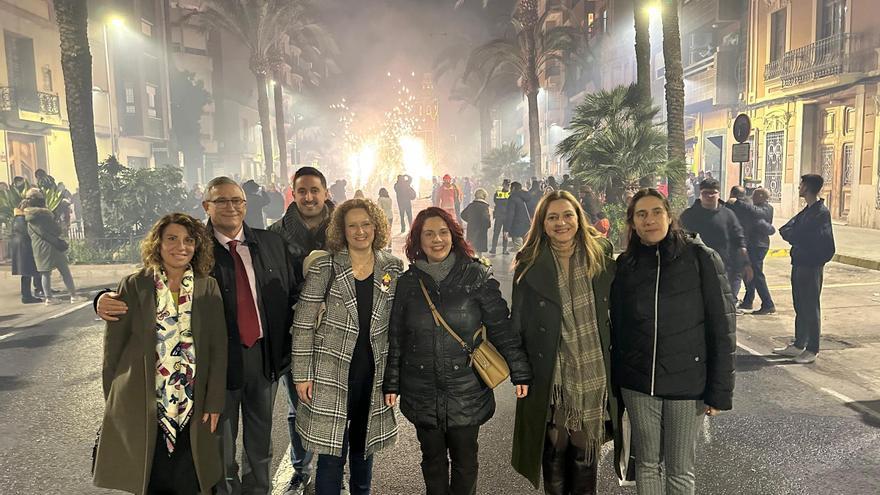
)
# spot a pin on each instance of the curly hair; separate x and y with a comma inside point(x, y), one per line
point(151, 247)
point(414, 240)
point(336, 229)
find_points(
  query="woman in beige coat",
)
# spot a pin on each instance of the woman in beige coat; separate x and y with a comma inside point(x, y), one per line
point(164, 369)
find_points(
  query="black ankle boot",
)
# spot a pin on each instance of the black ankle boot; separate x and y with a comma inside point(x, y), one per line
point(582, 477)
point(553, 467)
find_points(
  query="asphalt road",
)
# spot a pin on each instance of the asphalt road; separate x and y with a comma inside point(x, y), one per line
point(787, 434)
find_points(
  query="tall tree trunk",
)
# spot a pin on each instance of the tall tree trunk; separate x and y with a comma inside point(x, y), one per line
point(485, 129)
point(534, 134)
point(76, 67)
point(643, 50)
point(280, 130)
point(674, 95)
point(265, 124)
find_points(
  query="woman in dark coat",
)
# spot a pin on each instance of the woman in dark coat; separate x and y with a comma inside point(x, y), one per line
point(164, 369)
point(23, 263)
point(674, 341)
point(562, 280)
point(50, 250)
point(439, 391)
point(478, 222)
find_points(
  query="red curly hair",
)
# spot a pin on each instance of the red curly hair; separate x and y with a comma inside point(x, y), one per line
point(414, 240)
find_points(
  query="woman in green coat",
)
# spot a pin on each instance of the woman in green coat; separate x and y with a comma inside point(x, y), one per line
point(562, 281)
point(50, 250)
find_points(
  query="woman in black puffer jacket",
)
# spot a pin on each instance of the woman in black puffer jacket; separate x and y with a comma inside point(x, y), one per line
point(673, 341)
point(439, 392)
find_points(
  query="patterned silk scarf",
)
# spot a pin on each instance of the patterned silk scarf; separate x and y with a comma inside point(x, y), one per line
point(175, 356)
point(579, 388)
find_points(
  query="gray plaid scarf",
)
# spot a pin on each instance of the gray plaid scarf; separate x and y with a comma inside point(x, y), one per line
point(579, 384)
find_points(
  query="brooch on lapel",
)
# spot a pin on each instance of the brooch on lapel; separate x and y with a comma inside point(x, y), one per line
point(386, 283)
point(485, 261)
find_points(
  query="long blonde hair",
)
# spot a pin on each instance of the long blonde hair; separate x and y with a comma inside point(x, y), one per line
point(537, 239)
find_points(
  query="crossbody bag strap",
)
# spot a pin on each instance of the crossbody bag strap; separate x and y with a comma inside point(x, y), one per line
point(440, 321)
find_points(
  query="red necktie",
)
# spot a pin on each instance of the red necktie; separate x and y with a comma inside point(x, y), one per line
point(248, 323)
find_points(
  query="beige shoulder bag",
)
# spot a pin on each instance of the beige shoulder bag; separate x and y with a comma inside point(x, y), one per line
point(485, 358)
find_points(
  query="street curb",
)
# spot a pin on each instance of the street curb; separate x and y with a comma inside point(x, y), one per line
point(839, 258)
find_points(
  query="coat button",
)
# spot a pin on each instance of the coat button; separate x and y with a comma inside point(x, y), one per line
point(541, 355)
point(542, 329)
point(697, 358)
point(455, 367)
point(541, 303)
point(421, 366)
point(605, 299)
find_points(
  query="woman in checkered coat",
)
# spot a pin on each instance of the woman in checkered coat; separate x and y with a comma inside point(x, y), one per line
point(339, 363)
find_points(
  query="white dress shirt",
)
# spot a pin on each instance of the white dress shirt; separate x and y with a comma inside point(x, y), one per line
point(245, 254)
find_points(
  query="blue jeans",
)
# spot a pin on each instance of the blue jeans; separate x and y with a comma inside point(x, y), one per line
point(330, 471)
point(759, 282)
point(299, 457)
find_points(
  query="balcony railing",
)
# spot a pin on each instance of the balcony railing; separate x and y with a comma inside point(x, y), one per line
point(12, 98)
point(826, 57)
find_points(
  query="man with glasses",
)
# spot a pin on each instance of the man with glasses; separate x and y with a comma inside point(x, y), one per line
point(255, 273)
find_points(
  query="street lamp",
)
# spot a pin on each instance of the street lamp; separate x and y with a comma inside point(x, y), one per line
point(653, 11)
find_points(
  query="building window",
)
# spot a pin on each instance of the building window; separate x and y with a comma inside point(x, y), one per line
point(773, 168)
point(129, 100)
point(831, 17)
point(146, 28)
point(777, 34)
point(826, 156)
point(152, 101)
point(47, 79)
point(847, 164)
point(828, 122)
point(849, 120)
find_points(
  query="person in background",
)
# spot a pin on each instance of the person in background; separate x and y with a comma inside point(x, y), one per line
point(756, 218)
point(22, 252)
point(387, 208)
point(467, 189)
point(164, 369)
point(337, 191)
point(478, 222)
point(673, 342)
point(812, 246)
point(50, 250)
point(257, 200)
point(359, 194)
point(603, 225)
point(405, 195)
point(562, 280)
point(275, 208)
point(448, 196)
point(499, 214)
point(351, 420)
point(519, 220)
point(440, 393)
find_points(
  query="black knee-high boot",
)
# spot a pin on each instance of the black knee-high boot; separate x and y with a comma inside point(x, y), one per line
point(553, 468)
point(582, 476)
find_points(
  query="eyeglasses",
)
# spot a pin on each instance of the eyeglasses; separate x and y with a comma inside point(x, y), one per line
point(223, 203)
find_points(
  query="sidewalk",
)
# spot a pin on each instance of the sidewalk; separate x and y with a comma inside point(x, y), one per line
point(855, 246)
point(88, 279)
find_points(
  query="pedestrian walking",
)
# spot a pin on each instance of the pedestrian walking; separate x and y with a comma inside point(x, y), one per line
point(49, 249)
point(812, 246)
point(257, 200)
point(756, 218)
point(164, 369)
point(719, 229)
point(562, 280)
point(405, 195)
point(478, 222)
point(673, 342)
point(339, 357)
point(448, 196)
point(254, 271)
point(304, 227)
point(519, 218)
point(439, 391)
point(499, 215)
point(22, 253)
point(387, 208)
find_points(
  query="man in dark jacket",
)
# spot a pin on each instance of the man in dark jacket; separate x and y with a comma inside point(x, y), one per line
point(405, 195)
point(257, 200)
point(254, 271)
point(720, 230)
point(304, 227)
point(519, 219)
point(500, 216)
point(812, 245)
point(756, 218)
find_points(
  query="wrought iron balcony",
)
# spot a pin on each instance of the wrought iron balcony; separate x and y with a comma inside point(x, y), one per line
point(826, 57)
point(12, 99)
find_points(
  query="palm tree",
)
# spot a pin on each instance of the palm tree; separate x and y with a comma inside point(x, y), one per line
point(309, 60)
point(76, 66)
point(613, 142)
point(674, 98)
point(504, 162)
point(260, 26)
point(525, 55)
point(643, 49)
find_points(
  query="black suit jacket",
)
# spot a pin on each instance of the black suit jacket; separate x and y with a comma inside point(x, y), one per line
point(277, 292)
